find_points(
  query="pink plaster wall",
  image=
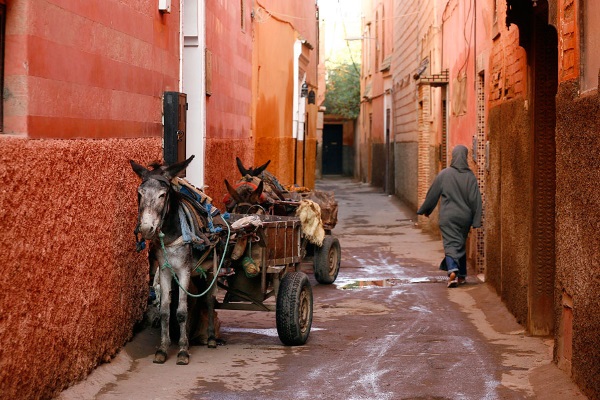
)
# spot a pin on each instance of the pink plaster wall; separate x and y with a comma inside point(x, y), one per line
point(72, 285)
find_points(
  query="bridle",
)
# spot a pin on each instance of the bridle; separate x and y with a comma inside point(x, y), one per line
point(140, 242)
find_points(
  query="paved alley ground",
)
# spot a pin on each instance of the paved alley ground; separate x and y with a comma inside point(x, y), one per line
point(388, 328)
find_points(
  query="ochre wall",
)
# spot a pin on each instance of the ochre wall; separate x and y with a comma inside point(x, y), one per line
point(74, 69)
point(301, 15)
point(273, 95)
point(72, 285)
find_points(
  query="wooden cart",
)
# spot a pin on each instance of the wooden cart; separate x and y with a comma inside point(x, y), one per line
point(261, 273)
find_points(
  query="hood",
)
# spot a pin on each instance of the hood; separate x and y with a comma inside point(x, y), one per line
point(459, 158)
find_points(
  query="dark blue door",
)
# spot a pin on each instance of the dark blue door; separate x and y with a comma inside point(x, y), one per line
point(333, 149)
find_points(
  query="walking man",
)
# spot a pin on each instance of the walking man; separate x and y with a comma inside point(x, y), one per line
point(460, 209)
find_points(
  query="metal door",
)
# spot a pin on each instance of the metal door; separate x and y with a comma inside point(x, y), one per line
point(333, 149)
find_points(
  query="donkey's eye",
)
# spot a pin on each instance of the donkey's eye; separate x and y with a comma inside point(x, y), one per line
point(162, 196)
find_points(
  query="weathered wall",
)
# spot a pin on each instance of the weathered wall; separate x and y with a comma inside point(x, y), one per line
point(72, 285)
point(302, 16)
point(276, 27)
point(577, 240)
point(508, 191)
point(508, 210)
point(405, 156)
point(273, 90)
point(228, 129)
point(74, 69)
point(378, 159)
point(221, 165)
point(377, 47)
point(404, 125)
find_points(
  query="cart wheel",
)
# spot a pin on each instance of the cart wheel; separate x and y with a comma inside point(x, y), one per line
point(327, 260)
point(294, 309)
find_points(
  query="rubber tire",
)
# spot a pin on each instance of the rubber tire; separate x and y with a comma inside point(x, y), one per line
point(326, 262)
point(294, 310)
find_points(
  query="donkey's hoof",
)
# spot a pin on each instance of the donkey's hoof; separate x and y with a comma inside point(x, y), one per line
point(211, 343)
point(183, 358)
point(160, 357)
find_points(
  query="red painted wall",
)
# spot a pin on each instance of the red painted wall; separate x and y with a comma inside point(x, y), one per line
point(78, 69)
point(72, 286)
point(228, 131)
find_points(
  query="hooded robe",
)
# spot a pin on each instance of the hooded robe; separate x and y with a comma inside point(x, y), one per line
point(460, 206)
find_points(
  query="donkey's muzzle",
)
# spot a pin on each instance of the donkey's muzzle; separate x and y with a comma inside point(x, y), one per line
point(148, 231)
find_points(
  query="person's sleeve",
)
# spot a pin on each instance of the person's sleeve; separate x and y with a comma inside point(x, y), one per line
point(432, 197)
point(476, 205)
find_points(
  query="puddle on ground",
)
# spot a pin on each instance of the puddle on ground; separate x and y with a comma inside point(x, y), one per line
point(272, 332)
point(389, 282)
point(365, 284)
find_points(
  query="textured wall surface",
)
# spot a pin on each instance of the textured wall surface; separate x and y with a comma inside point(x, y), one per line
point(508, 208)
point(281, 153)
point(71, 284)
point(405, 155)
point(221, 165)
point(577, 227)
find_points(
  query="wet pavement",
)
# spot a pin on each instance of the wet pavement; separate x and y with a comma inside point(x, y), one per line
point(388, 328)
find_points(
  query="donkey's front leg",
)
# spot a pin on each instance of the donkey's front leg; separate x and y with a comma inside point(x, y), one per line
point(210, 305)
point(165, 307)
point(183, 357)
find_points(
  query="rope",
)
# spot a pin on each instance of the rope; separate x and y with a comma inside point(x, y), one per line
point(167, 264)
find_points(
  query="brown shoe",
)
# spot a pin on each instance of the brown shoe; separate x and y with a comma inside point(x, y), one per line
point(452, 281)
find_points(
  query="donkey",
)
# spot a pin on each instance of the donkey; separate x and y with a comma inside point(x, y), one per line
point(258, 192)
point(161, 210)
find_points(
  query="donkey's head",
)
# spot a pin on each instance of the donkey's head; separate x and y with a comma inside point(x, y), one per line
point(154, 195)
point(250, 171)
point(245, 198)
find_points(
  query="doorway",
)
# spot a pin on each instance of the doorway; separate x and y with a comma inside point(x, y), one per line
point(333, 136)
point(193, 84)
point(544, 62)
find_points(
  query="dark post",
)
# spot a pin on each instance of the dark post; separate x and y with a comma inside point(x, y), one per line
point(174, 109)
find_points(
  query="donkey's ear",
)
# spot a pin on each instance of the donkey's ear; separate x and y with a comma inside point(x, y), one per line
point(258, 170)
point(234, 194)
point(172, 170)
point(138, 169)
point(241, 167)
point(255, 196)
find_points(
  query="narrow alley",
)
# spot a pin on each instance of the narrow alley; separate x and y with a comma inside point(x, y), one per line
point(388, 328)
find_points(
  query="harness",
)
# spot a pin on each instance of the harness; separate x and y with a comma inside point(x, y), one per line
point(191, 211)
